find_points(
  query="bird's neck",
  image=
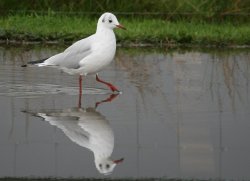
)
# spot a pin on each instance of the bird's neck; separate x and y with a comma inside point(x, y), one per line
point(106, 35)
point(103, 30)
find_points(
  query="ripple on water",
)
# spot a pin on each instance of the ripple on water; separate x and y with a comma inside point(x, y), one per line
point(27, 90)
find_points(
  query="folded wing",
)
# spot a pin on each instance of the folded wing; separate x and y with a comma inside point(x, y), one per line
point(71, 57)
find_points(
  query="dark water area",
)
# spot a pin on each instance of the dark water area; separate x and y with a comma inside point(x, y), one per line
point(182, 114)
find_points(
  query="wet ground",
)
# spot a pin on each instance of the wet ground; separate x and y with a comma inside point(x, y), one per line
point(181, 114)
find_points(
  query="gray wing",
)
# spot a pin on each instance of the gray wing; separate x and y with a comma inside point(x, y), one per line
point(69, 125)
point(71, 57)
point(81, 45)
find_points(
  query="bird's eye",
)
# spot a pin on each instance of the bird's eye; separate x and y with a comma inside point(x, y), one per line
point(110, 21)
point(107, 166)
point(100, 165)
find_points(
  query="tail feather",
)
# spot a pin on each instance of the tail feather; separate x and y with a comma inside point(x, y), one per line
point(34, 62)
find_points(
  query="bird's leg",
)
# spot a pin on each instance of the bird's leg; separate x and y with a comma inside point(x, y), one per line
point(80, 92)
point(111, 87)
point(109, 99)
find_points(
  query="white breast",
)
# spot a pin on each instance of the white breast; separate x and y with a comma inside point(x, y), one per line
point(103, 51)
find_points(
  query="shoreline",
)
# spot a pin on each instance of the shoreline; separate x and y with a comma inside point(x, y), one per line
point(121, 44)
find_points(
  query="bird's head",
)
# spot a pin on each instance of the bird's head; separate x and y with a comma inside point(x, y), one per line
point(110, 21)
point(106, 166)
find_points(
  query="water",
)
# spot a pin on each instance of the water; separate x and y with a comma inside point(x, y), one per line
point(181, 114)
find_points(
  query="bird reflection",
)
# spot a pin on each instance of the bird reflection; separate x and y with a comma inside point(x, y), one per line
point(87, 128)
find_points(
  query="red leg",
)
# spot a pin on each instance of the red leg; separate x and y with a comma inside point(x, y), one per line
point(111, 87)
point(80, 92)
point(109, 99)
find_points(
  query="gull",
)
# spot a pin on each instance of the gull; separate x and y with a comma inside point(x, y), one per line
point(89, 55)
point(87, 128)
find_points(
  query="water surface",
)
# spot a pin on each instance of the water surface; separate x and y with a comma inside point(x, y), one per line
point(181, 114)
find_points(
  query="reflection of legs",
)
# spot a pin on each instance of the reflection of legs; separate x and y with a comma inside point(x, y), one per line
point(80, 92)
point(109, 99)
point(111, 87)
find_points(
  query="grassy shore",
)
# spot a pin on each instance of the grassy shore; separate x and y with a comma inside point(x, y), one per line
point(60, 29)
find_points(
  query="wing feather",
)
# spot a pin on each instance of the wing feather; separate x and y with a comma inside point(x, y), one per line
point(71, 56)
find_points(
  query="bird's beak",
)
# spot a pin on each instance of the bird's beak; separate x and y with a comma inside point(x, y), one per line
point(118, 161)
point(120, 26)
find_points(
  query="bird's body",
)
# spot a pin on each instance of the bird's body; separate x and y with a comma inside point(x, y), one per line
point(89, 55)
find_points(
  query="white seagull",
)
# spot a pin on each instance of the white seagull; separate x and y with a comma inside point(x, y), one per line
point(89, 129)
point(89, 55)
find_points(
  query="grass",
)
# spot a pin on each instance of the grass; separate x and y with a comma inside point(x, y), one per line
point(38, 28)
point(183, 32)
point(200, 9)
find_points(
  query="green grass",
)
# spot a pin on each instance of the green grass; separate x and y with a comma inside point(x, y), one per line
point(183, 32)
point(200, 9)
point(153, 31)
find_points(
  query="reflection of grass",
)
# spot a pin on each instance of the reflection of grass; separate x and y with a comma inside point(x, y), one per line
point(156, 31)
point(214, 51)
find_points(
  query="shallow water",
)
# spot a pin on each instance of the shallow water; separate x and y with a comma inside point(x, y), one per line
point(181, 114)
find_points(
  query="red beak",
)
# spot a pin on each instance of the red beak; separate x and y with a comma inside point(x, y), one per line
point(120, 26)
point(118, 161)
